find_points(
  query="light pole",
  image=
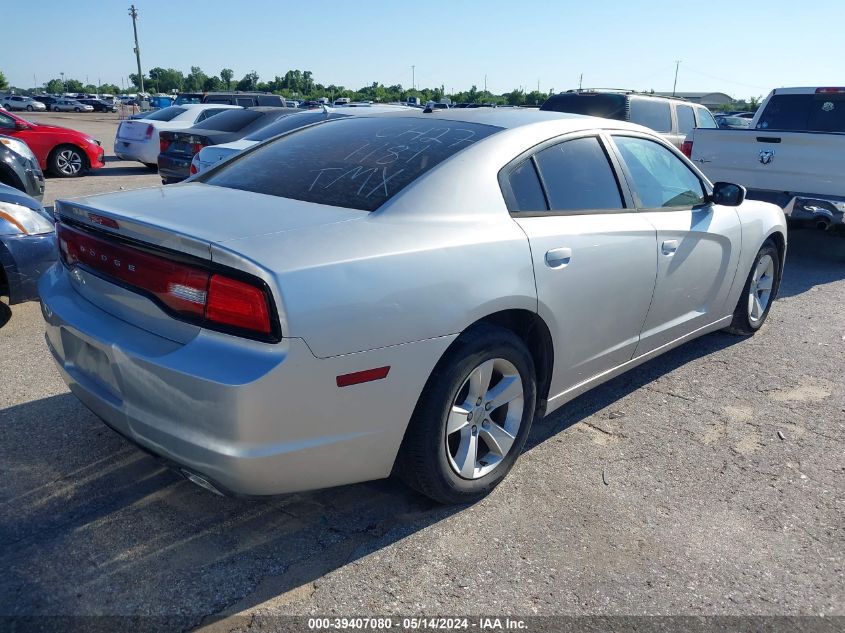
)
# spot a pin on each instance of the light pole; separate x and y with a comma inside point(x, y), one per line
point(413, 78)
point(64, 85)
point(134, 13)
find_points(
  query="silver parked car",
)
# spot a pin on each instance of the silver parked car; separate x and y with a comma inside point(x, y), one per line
point(21, 102)
point(70, 105)
point(398, 293)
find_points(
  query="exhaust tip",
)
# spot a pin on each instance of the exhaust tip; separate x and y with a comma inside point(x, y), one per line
point(201, 481)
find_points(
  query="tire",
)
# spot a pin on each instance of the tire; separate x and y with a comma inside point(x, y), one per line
point(77, 110)
point(29, 108)
point(56, 109)
point(151, 166)
point(758, 293)
point(432, 459)
point(67, 161)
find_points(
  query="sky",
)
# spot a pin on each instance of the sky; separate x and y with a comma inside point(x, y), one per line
point(743, 49)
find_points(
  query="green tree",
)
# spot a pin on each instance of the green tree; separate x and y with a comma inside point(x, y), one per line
point(212, 83)
point(74, 85)
point(54, 86)
point(195, 79)
point(109, 89)
point(249, 82)
point(226, 76)
point(165, 80)
point(3, 83)
point(133, 79)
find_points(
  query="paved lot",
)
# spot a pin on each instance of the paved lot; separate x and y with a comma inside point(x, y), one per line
point(708, 481)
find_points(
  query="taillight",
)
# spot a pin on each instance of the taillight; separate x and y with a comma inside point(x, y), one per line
point(193, 168)
point(149, 133)
point(189, 292)
point(829, 90)
point(238, 304)
point(196, 146)
point(163, 144)
point(686, 149)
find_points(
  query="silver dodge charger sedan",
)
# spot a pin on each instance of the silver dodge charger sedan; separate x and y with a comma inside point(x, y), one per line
point(400, 293)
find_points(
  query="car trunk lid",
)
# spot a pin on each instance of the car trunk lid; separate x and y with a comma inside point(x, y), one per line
point(134, 130)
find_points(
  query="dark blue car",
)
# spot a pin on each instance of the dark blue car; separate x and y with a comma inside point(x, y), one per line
point(27, 244)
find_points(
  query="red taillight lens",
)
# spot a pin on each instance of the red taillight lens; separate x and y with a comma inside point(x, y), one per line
point(238, 304)
point(196, 147)
point(829, 90)
point(190, 292)
point(686, 149)
point(193, 169)
point(163, 144)
point(149, 132)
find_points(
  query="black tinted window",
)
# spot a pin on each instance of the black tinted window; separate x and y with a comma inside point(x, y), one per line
point(652, 113)
point(291, 122)
point(230, 120)
point(686, 119)
point(578, 176)
point(608, 106)
point(355, 162)
point(526, 190)
point(827, 113)
point(786, 112)
point(165, 114)
point(661, 179)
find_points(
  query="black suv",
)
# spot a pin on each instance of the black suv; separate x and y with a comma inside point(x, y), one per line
point(672, 117)
point(99, 105)
point(245, 99)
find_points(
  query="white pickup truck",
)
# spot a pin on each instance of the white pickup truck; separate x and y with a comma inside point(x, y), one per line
point(792, 154)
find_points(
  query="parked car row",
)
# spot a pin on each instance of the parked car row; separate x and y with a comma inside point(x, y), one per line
point(21, 102)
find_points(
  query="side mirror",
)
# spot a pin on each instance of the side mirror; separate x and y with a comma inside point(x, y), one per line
point(20, 126)
point(728, 194)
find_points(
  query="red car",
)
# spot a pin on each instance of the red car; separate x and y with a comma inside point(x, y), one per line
point(61, 151)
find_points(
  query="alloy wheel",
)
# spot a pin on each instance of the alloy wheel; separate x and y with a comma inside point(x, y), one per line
point(484, 419)
point(760, 288)
point(69, 162)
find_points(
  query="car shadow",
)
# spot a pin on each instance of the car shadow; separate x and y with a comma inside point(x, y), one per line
point(813, 258)
point(5, 314)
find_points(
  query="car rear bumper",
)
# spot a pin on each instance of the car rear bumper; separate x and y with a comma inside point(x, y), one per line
point(822, 211)
point(25, 258)
point(173, 169)
point(252, 418)
point(142, 151)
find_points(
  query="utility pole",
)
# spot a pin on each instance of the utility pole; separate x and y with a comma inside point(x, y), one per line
point(580, 81)
point(675, 85)
point(485, 83)
point(64, 85)
point(134, 13)
point(413, 77)
point(538, 85)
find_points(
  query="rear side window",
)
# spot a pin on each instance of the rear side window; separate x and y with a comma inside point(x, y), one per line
point(354, 162)
point(827, 113)
point(786, 112)
point(165, 114)
point(525, 189)
point(705, 119)
point(661, 179)
point(686, 119)
point(605, 105)
point(578, 176)
point(652, 113)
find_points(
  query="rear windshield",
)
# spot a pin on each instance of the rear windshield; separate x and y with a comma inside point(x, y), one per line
point(183, 99)
point(355, 162)
point(809, 112)
point(165, 114)
point(291, 122)
point(608, 106)
point(230, 120)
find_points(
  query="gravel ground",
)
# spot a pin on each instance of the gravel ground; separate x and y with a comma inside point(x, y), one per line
point(708, 481)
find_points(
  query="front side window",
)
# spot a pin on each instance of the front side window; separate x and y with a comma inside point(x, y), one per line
point(7, 122)
point(578, 176)
point(652, 113)
point(660, 179)
point(686, 119)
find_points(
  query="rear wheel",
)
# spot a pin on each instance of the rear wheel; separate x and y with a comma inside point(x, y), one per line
point(77, 109)
point(67, 161)
point(758, 293)
point(29, 108)
point(472, 419)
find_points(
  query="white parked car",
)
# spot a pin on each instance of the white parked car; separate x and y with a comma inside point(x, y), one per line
point(71, 105)
point(137, 139)
point(213, 154)
point(396, 293)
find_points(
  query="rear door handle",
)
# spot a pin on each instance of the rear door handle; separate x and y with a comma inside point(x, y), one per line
point(558, 257)
point(669, 247)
